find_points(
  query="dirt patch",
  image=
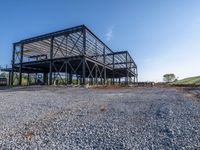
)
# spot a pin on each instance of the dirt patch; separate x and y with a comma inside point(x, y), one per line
point(28, 134)
point(108, 86)
point(192, 91)
point(103, 109)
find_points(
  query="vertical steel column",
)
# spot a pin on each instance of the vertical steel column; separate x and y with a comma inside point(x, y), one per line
point(84, 52)
point(13, 64)
point(126, 80)
point(104, 64)
point(9, 78)
point(51, 61)
point(66, 75)
point(66, 62)
point(28, 79)
point(54, 78)
point(45, 78)
point(96, 64)
point(119, 80)
point(136, 75)
point(101, 79)
point(70, 78)
point(21, 61)
point(90, 81)
point(79, 80)
point(83, 66)
point(131, 79)
point(76, 79)
point(113, 60)
point(36, 75)
point(96, 74)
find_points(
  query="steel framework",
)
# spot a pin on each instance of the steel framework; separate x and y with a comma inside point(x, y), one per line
point(71, 53)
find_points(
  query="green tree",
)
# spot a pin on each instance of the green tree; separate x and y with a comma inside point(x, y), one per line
point(170, 77)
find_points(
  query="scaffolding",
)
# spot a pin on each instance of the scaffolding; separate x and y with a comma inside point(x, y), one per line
point(71, 54)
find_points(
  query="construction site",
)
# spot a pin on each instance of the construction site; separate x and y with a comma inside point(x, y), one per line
point(73, 54)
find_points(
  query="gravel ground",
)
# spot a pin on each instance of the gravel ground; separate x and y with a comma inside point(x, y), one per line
point(80, 118)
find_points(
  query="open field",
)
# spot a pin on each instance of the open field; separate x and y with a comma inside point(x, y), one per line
point(191, 81)
point(80, 118)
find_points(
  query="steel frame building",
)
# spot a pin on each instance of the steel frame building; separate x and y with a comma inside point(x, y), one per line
point(71, 53)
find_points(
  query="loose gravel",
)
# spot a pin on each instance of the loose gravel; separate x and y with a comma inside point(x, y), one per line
point(80, 118)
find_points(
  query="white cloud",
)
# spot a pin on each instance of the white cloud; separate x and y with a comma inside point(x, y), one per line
point(109, 33)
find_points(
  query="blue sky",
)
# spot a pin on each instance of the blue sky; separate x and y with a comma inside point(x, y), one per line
point(163, 36)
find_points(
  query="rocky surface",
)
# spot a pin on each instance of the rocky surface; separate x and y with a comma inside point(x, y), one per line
point(80, 118)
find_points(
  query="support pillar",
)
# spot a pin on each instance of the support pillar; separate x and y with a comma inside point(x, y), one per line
point(127, 74)
point(45, 78)
point(51, 62)
point(96, 82)
point(84, 53)
point(13, 65)
point(9, 78)
point(77, 79)
point(80, 80)
point(70, 78)
point(113, 74)
point(136, 75)
point(66, 75)
point(21, 61)
point(83, 67)
point(104, 67)
point(28, 79)
point(35, 78)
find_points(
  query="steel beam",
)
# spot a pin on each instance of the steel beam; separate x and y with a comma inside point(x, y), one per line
point(53, 34)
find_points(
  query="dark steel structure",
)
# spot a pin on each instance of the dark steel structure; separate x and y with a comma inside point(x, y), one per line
point(72, 54)
point(3, 81)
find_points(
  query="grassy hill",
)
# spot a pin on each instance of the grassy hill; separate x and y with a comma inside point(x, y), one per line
point(190, 80)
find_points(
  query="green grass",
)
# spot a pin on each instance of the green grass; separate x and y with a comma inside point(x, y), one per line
point(190, 80)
